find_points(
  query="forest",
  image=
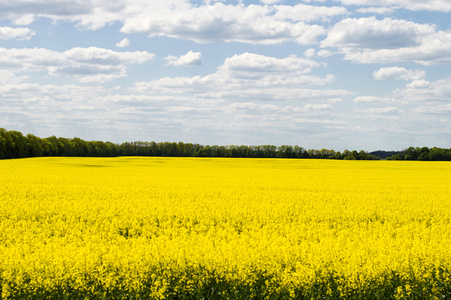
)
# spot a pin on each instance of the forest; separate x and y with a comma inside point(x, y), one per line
point(14, 144)
point(424, 153)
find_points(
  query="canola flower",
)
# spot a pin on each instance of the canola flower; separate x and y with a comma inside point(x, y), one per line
point(194, 228)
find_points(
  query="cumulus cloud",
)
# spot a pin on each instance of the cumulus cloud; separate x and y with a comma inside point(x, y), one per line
point(123, 43)
point(436, 5)
point(249, 96)
point(71, 110)
point(418, 93)
point(310, 52)
point(383, 110)
point(375, 10)
point(250, 75)
point(308, 13)
point(374, 99)
point(325, 53)
point(219, 22)
point(425, 91)
point(36, 93)
point(23, 20)
point(86, 64)
point(419, 84)
point(251, 65)
point(259, 108)
point(425, 112)
point(91, 14)
point(370, 33)
point(8, 77)
point(209, 22)
point(368, 40)
point(269, 1)
point(189, 59)
point(424, 115)
point(442, 109)
point(7, 33)
point(251, 91)
point(66, 110)
point(45, 8)
point(398, 73)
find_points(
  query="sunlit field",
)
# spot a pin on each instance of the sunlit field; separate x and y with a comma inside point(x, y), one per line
point(193, 228)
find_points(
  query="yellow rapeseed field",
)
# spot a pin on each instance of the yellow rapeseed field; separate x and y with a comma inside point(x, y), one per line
point(194, 228)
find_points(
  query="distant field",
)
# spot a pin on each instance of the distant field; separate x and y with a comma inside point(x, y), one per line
point(193, 228)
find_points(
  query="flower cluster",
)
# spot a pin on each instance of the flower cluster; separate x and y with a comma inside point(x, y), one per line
point(194, 228)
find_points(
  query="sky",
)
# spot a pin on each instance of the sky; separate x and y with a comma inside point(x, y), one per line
point(334, 74)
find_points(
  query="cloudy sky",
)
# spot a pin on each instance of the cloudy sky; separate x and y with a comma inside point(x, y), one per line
point(338, 74)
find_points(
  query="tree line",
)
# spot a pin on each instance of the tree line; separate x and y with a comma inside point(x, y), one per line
point(424, 153)
point(13, 144)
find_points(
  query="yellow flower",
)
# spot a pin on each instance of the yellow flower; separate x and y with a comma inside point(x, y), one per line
point(161, 227)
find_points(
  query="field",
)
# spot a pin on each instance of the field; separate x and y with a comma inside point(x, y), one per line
point(192, 228)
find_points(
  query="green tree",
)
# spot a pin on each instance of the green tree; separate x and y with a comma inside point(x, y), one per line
point(285, 151)
point(17, 144)
point(424, 154)
point(52, 146)
point(35, 147)
point(4, 153)
point(80, 147)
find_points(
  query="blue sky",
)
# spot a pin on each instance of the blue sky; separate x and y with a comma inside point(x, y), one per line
point(342, 74)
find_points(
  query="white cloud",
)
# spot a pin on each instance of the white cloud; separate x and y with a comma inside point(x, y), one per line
point(442, 109)
point(23, 20)
point(425, 113)
point(269, 2)
point(370, 33)
point(249, 97)
point(271, 108)
point(424, 116)
point(249, 91)
point(368, 40)
point(7, 33)
point(317, 107)
point(212, 21)
point(424, 91)
point(376, 10)
point(27, 59)
point(325, 53)
point(8, 77)
point(66, 110)
point(308, 13)
point(71, 110)
point(433, 5)
point(45, 8)
point(310, 1)
point(36, 93)
point(251, 65)
point(251, 76)
point(397, 73)
point(189, 59)
point(123, 43)
point(310, 53)
point(219, 22)
point(91, 14)
point(374, 99)
point(429, 94)
point(419, 84)
point(86, 64)
point(383, 110)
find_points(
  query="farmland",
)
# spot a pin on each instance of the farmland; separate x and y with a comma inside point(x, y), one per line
point(224, 228)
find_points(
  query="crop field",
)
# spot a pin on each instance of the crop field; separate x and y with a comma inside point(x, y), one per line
point(193, 228)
